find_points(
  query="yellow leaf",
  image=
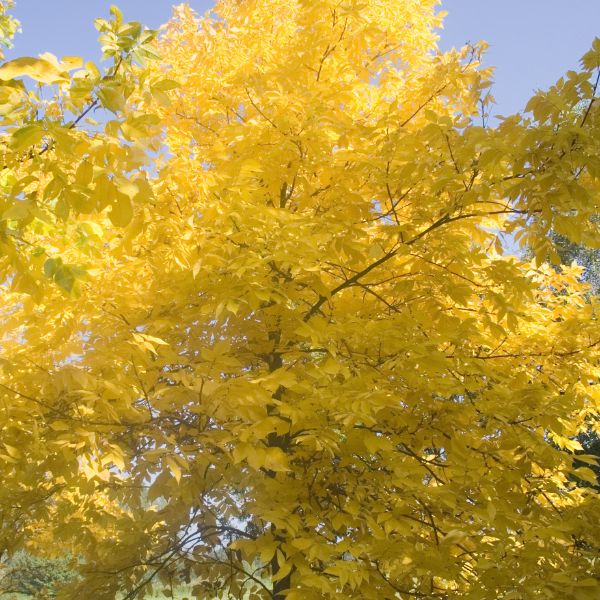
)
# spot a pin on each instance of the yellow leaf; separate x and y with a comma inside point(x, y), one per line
point(84, 173)
point(14, 452)
point(112, 98)
point(37, 68)
point(454, 536)
point(275, 460)
point(174, 467)
point(27, 136)
point(121, 211)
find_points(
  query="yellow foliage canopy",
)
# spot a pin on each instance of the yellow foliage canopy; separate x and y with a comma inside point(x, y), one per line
point(300, 363)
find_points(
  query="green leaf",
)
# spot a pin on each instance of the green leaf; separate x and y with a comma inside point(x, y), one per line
point(147, 51)
point(101, 24)
point(51, 265)
point(65, 278)
point(130, 30)
point(112, 97)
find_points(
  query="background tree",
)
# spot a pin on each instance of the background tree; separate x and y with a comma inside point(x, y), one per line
point(568, 252)
point(34, 576)
point(305, 347)
point(589, 259)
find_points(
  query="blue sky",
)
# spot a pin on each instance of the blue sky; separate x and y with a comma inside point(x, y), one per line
point(533, 42)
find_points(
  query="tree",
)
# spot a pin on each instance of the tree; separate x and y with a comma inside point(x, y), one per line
point(48, 161)
point(300, 365)
point(34, 576)
point(8, 25)
point(588, 258)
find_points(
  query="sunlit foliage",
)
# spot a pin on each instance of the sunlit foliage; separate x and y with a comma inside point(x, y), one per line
point(260, 331)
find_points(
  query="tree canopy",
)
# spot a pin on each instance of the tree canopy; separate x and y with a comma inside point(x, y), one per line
point(259, 330)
